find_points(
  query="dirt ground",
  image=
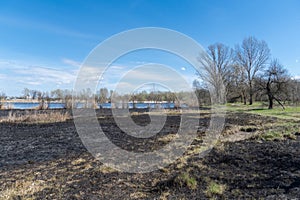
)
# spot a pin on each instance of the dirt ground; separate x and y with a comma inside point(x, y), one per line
point(49, 161)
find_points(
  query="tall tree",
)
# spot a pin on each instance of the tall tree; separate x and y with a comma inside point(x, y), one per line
point(216, 64)
point(252, 55)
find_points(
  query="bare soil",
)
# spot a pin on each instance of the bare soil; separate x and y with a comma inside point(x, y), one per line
point(49, 161)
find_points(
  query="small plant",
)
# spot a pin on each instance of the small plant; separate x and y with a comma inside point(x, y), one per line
point(187, 180)
point(214, 188)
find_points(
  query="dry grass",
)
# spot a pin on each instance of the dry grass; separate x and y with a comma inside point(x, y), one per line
point(23, 188)
point(138, 195)
point(7, 106)
point(106, 170)
point(79, 161)
point(168, 138)
point(50, 117)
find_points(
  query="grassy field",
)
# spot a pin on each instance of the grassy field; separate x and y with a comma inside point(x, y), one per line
point(260, 108)
point(287, 120)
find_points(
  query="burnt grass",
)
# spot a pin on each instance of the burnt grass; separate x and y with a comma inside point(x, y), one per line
point(52, 157)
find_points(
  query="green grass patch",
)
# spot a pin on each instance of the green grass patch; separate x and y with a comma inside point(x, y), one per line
point(214, 188)
point(260, 108)
point(184, 179)
point(285, 125)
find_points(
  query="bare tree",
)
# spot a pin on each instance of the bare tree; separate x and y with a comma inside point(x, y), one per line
point(41, 96)
point(65, 96)
point(252, 55)
point(26, 93)
point(103, 95)
point(216, 65)
point(275, 82)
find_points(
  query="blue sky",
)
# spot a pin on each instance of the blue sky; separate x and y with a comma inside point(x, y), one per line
point(42, 43)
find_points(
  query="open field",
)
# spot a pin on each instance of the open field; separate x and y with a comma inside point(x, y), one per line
point(290, 112)
point(257, 156)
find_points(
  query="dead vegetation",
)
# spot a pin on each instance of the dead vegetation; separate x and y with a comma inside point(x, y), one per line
point(35, 117)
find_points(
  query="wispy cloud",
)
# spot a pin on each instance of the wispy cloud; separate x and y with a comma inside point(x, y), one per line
point(15, 76)
point(43, 75)
point(71, 62)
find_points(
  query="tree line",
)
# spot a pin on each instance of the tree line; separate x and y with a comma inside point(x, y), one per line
point(103, 95)
point(246, 73)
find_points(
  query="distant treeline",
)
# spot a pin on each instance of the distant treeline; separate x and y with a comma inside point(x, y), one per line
point(103, 95)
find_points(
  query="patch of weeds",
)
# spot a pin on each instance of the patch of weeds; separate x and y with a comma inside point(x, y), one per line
point(214, 188)
point(184, 179)
point(272, 135)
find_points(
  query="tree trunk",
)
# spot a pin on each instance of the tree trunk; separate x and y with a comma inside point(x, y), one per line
point(250, 94)
point(244, 98)
point(269, 93)
point(270, 101)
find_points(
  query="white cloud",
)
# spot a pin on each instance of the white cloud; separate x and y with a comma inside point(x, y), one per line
point(71, 62)
point(183, 68)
